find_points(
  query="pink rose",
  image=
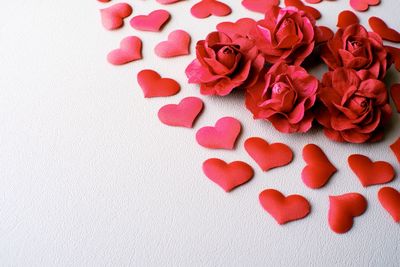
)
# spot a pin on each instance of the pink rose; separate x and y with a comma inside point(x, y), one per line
point(355, 48)
point(284, 96)
point(223, 64)
point(351, 109)
point(285, 34)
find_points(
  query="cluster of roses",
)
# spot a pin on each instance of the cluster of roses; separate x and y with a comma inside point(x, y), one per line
point(267, 60)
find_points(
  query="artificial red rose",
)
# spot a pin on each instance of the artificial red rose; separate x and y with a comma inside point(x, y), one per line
point(223, 64)
point(351, 109)
point(284, 96)
point(285, 34)
point(356, 48)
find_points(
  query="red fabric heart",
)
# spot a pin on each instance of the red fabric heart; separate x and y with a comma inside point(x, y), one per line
point(167, 2)
point(104, 1)
point(347, 18)
point(394, 54)
point(130, 50)
point(154, 86)
point(183, 114)
point(260, 6)
point(227, 176)
point(177, 45)
point(242, 26)
point(342, 210)
point(384, 31)
point(395, 94)
point(371, 173)
point(266, 155)
point(363, 5)
point(390, 200)
point(395, 147)
point(222, 136)
point(313, 1)
point(319, 169)
point(206, 8)
point(307, 9)
point(152, 22)
point(113, 17)
point(284, 209)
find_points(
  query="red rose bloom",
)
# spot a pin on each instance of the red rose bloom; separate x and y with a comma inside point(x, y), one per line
point(285, 34)
point(223, 64)
point(355, 48)
point(352, 110)
point(284, 96)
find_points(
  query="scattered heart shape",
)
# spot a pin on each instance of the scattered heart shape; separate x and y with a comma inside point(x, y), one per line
point(130, 50)
point(363, 5)
point(284, 209)
point(154, 86)
point(395, 147)
point(104, 1)
point(178, 44)
point(307, 9)
point(383, 30)
point(323, 34)
point(182, 114)
point(242, 26)
point(152, 22)
point(260, 6)
point(227, 176)
point(395, 94)
point(319, 169)
point(268, 156)
point(206, 8)
point(343, 209)
point(347, 18)
point(370, 173)
point(222, 136)
point(167, 2)
point(113, 16)
point(390, 201)
point(313, 1)
point(394, 54)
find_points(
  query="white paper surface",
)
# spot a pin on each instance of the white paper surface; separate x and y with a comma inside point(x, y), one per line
point(90, 177)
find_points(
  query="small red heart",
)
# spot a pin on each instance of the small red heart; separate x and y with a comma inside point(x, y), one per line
point(154, 86)
point(384, 31)
point(242, 27)
point(130, 50)
point(113, 17)
point(227, 176)
point(371, 173)
point(183, 114)
point(266, 155)
point(363, 5)
point(206, 8)
point(319, 169)
point(323, 34)
point(284, 209)
point(307, 9)
point(152, 22)
point(395, 94)
point(260, 6)
point(222, 136)
point(347, 18)
point(390, 200)
point(313, 1)
point(104, 1)
point(342, 210)
point(167, 2)
point(395, 147)
point(394, 56)
point(177, 45)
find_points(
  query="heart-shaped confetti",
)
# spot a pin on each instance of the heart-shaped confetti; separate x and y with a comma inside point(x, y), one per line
point(395, 94)
point(266, 155)
point(390, 201)
point(242, 26)
point(260, 6)
point(154, 86)
point(113, 17)
point(395, 147)
point(347, 18)
point(342, 210)
point(152, 22)
point(371, 173)
point(319, 169)
point(222, 136)
point(284, 209)
point(206, 8)
point(384, 31)
point(130, 50)
point(394, 54)
point(363, 5)
point(227, 176)
point(183, 114)
point(177, 45)
point(167, 2)
point(104, 1)
point(307, 9)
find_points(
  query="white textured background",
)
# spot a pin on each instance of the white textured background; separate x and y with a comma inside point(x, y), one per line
point(90, 177)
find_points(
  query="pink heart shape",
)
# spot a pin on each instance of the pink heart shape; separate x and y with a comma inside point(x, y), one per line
point(260, 6)
point(154, 86)
point(167, 2)
point(177, 45)
point(113, 17)
point(130, 50)
point(222, 136)
point(152, 22)
point(363, 5)
point(206, 8)
point(183, 114)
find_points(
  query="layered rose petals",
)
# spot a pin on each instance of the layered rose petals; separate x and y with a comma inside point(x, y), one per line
point(352, 109)
point(284, 96)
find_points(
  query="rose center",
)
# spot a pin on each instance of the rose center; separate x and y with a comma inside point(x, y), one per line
point(227, 56)
point(359, 104)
